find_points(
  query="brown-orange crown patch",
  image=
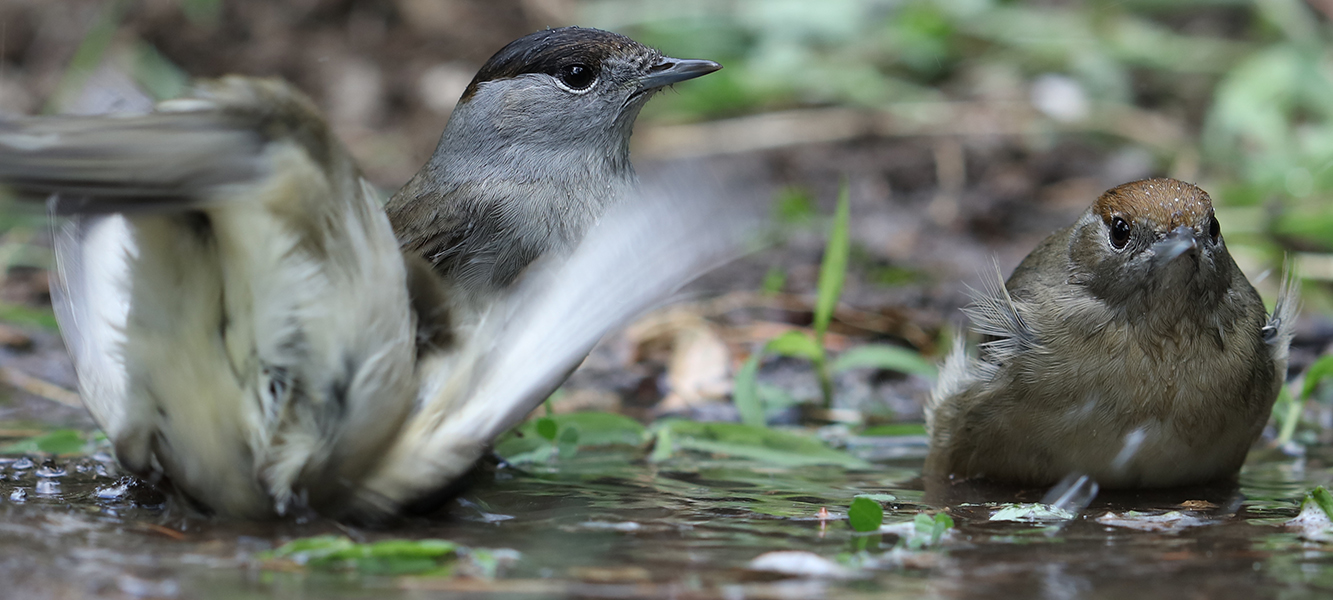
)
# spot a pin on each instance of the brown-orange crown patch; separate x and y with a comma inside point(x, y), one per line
point(1163, 204)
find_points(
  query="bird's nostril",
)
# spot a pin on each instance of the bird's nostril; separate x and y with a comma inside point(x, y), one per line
point(662, 66)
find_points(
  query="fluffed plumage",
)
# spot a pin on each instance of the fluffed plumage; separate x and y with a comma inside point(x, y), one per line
point(1128, 347)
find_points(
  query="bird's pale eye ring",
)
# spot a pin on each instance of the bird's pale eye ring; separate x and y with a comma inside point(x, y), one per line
point(1120, 231)
point(577, 77)
point(1214, 228)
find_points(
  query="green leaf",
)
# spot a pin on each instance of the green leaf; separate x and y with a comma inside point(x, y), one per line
point(924, 523)
point(1320, 370)
point(594, 429)
point(1322, 498)
point(315, 550)
point(757, 443)
point(895, 430)
point(60, 441)
point(795, 344)
point(1291, 416)
point(774, 279)
point(833, 271)
point(865, 514)
point(745, 393)
point(1029, 512)
point(884, 356)
point(941, 523)
point(569, 442)
point(794, 206)
point(395, 556)
point(23, 315)
point(547, 428)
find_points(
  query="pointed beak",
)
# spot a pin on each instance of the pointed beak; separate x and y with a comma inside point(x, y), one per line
point(1175, 244)
point(675, 70)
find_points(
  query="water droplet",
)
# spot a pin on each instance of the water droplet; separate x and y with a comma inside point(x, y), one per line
point(113, 492)
point(19, 495)
point(46, 487)
point(50, 471)
point(22, 464)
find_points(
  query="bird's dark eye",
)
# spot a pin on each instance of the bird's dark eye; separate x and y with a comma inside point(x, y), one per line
point(1214, 228)
point(577, 76)
point(1119, 232)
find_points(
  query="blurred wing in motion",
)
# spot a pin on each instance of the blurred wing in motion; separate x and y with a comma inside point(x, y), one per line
point(230, 290)
point(639, 253)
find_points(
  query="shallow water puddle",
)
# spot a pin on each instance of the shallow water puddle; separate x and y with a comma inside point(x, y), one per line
point(608, 525)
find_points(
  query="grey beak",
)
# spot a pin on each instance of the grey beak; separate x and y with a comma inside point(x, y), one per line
point(675, 70)
point(1175, 244)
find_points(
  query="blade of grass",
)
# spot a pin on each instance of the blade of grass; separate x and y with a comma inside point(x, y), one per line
point(833, 271)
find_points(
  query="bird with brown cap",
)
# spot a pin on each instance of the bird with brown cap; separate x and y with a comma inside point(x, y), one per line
point(1128, 347)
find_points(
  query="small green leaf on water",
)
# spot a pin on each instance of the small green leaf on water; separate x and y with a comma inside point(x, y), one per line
point(924, 523)
point(1322, 498)
point(1031, 512)
point(881, 498)
point(384, 557)
point(942, 523)
point(547, 428)
point(926, 530)
point(60, 441)
point(865, 514)
point(795, 344)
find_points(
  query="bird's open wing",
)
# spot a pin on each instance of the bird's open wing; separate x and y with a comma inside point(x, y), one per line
point(638, 254)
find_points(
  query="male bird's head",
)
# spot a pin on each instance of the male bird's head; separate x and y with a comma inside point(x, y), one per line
point(559, 94)
point(535, 151)
point(1152, 244)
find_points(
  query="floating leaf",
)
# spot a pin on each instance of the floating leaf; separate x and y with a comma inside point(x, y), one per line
point(1324, 500)
point(384, 557)
point(1315, 521)
point(865, 514)
point(1034, 512)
